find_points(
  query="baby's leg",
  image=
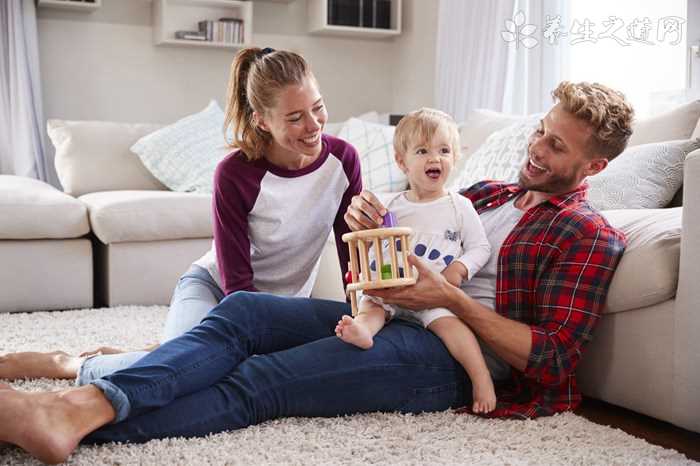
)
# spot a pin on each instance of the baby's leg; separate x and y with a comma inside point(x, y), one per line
point(462, 345)
point(361, 330)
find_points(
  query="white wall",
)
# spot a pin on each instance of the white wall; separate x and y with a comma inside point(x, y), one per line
point(413, 75)
point(104, 65)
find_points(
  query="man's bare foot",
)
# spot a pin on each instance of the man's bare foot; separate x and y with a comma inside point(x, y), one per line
point(49, 425)
point(484, 395)
point(32, 365)
point(353, 332)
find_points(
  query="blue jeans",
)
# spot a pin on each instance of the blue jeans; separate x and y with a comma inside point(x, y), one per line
point(257, 357)
point(195, 295)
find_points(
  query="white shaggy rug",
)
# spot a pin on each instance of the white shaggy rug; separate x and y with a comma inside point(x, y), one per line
point(436, 438)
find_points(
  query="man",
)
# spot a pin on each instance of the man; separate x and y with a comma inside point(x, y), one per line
point(552, 271)
point(258, 357)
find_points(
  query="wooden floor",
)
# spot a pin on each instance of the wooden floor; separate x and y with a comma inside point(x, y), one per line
point(652, 430)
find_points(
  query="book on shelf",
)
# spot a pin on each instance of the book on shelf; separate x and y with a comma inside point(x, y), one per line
point(190, 35)
point(225, 30)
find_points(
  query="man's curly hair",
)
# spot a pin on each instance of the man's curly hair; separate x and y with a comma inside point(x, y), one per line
point(605, 110)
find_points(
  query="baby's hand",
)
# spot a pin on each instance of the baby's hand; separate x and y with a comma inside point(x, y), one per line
point(455, 273)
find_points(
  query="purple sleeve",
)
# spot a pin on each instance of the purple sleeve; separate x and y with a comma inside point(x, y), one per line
point(234, 196)
point(351, 166)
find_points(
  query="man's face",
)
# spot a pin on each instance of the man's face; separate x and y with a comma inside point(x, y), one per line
point(559, 157)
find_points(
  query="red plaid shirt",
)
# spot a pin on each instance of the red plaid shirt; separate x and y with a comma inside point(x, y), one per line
point(554, 270)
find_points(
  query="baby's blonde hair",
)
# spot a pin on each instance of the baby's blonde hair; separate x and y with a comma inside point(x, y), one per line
point(419, 126)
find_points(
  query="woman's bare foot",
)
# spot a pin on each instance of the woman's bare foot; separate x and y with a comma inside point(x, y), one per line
point(484, 395)
point(353, 332)
point(32, 365)
point(50, 425)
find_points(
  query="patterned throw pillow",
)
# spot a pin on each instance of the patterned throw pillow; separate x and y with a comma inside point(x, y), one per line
point(374, 144)
point(184, 155)
point(642, 177)
point(500, 157)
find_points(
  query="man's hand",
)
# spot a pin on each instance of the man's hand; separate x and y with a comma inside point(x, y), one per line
point(430, 291)
point(364, 212)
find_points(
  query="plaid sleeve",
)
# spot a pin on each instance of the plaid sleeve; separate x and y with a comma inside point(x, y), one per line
point(570, 296)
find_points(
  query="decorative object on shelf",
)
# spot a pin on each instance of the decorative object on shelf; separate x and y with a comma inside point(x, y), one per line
point(356, 18)
point(360, 13)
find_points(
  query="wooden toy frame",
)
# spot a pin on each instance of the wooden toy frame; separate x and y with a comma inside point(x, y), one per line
point(359, 260)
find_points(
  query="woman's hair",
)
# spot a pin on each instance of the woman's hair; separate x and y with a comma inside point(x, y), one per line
point(257, 76)
point(605, 110)
point(419, 126)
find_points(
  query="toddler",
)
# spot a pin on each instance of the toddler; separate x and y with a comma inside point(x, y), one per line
point(447, 234)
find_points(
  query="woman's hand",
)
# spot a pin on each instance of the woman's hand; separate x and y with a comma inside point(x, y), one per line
point(364, 212)
point(431, 290)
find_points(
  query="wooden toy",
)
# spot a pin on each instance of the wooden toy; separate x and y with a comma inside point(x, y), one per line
point(387, 273)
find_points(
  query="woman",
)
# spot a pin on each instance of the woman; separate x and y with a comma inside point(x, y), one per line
point(285, 169)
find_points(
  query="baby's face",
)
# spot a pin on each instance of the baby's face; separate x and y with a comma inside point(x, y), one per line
point(428, 164)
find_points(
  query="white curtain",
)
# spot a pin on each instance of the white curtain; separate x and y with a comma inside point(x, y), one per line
point(471, 57)
point(533, 72)
point(22, 150)
point(478, 68)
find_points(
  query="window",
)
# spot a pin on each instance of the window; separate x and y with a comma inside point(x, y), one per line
point(638, 47)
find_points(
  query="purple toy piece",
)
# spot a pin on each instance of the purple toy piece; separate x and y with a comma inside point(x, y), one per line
point(389, 220)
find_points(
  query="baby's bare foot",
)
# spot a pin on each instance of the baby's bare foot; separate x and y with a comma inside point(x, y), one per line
point(353, 332)
point(484, 396)
point(32, 365)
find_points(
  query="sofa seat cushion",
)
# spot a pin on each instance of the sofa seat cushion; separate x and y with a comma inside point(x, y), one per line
point(122, 216)
point(648, 271)
point(32, 209)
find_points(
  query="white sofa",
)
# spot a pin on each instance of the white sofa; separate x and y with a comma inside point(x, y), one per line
point(645, 354)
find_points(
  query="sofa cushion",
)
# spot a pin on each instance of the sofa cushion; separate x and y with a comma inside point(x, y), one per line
point(678, 123)
point(500, 157)
point(95, 156)
point(374, 144)
point(32, 209)
point(121, 216)
point(648, 271)
point(183, 156)
point(642, 177)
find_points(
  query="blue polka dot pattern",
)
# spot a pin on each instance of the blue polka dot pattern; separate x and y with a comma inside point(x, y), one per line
point(434, 254)
point(448, 259)
point(420, 250)
point(373, 266)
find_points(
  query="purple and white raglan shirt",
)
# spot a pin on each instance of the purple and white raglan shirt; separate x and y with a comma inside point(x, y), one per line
point(271, 224)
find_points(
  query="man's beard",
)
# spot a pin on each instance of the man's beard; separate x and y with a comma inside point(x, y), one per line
point(555, 184)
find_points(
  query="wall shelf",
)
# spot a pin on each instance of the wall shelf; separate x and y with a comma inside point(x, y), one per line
point(184, 15)
point(318, 23)
point(70, 5)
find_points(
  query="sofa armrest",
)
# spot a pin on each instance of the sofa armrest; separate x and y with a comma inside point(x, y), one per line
point(686, 347)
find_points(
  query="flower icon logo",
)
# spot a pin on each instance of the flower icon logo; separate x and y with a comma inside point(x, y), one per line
point(519, 32)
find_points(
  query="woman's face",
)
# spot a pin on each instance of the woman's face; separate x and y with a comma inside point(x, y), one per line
point(296, 121)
